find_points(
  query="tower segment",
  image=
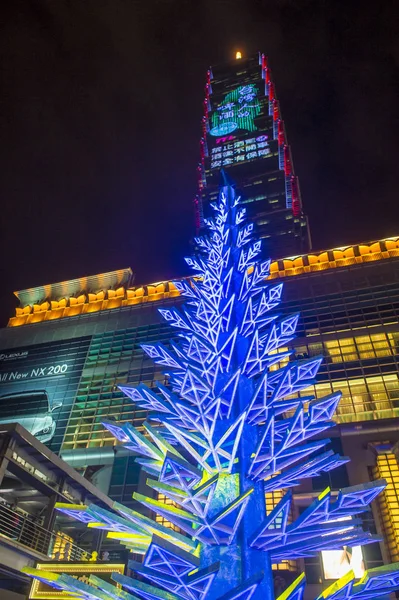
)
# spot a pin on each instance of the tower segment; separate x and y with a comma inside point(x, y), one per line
point(244, 134)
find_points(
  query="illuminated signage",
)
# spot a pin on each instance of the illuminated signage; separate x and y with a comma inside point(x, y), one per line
point(13, 355)
point(232, 152)
point(337, 563)
point(38, 385)
point(46, 371)
point(237, 111)
point(81, 571)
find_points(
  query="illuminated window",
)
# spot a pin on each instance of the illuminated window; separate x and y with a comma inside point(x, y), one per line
point(348, 349)
point(272, 499)
point(283, 362)
point(314, 349)
point(160, 519)
point(254, 199)
point(362, 399)
point(365, 347)
point(62, 548)
point(394, 342)
point(361, 347)
point(388, 501)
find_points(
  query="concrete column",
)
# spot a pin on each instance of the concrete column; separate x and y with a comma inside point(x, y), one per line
point(3, 467)
point(97, 541)
point(49, 519)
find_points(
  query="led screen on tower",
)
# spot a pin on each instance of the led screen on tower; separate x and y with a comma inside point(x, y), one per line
point(237, 111)
point(230, 150)
point(239, 127)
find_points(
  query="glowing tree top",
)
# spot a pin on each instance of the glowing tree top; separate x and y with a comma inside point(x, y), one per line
point(222, 434)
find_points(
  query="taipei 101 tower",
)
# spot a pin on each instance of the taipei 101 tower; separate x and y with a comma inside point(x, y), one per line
point(243, 133)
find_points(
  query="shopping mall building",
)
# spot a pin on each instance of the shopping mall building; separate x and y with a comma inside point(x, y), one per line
point(71, 344)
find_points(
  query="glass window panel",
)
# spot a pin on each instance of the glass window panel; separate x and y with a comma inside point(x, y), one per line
point(332, 349)
point(315, 349)
point(394, 341)
point(331, 343)
point(321, 389)
point(365, 353)
point(347, 342)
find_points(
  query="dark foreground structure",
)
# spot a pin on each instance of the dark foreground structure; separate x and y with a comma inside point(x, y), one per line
point(32, 480)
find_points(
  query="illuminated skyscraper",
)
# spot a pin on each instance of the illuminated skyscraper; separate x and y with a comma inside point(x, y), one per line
point(244, 134)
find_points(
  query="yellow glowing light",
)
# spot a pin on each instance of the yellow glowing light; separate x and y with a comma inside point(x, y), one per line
point(338, 585)
point(84, 568)
point(387, 467)
point(51, 572)
point(124, 535)
point(294, 585)
point(324, 493)
point(80, 507)
point(69, 306)
point(238, 55)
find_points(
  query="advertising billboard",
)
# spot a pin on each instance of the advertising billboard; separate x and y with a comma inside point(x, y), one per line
point(38, 385)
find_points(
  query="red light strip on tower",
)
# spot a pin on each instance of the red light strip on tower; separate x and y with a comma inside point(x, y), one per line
point(287, 161)
point(293, 200)
point(206, 108)
point(204, 131)
point(271, 89)
point(203, 152)
point(264, 62)
point(296, 204)
point(276, 111)
point(281, 134)
point(202, 149)
point(197, 214)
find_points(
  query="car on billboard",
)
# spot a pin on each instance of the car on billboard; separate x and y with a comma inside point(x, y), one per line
point(32, 410)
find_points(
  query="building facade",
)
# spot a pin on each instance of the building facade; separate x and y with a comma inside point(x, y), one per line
point(244, 134)
point(73, 344)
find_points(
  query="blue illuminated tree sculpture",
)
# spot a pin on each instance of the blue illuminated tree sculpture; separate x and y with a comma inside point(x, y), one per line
point(228, 429)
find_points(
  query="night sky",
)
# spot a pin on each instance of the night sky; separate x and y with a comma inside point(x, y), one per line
point(100, 110)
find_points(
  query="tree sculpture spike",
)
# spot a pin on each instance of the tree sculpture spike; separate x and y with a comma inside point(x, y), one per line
point(224, 434)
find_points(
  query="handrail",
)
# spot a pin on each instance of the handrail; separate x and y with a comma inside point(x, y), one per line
point(24, 530)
